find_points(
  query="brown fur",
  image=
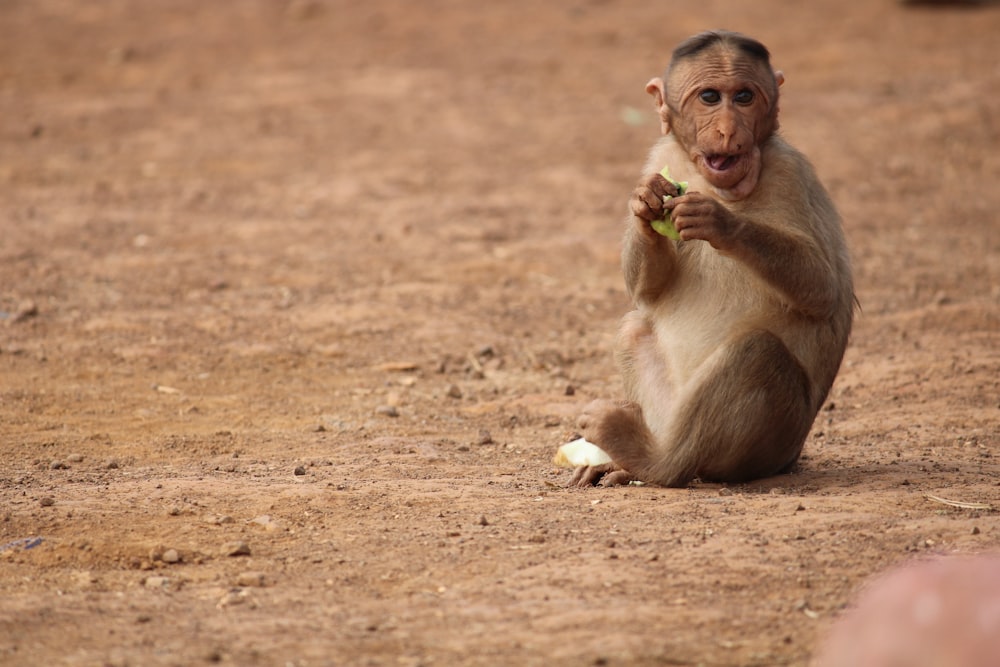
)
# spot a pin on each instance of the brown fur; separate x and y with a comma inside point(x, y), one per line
point(740, 327)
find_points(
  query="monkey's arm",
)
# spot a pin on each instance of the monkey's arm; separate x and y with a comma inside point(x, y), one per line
point(792, 262)
point(787, 258)
point(649, 260)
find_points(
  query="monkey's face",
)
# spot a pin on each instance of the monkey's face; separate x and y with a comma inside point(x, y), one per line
point(721, 107)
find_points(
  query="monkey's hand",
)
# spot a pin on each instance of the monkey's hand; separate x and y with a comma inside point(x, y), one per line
point(646, 202)
point(700, 217)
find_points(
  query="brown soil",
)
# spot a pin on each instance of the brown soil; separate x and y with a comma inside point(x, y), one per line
point(332, 280)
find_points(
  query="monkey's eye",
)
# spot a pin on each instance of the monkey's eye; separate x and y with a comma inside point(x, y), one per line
point(710, 96)
point(743, 97)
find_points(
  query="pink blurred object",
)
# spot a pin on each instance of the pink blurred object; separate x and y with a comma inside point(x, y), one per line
point(938, 613)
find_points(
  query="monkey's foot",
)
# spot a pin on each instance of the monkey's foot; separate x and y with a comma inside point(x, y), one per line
point(606, 474)
point(613, 427)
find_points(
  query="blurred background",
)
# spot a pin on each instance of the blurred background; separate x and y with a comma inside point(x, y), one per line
point(380, 241)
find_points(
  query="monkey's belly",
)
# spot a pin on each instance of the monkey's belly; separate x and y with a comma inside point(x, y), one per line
point(712, 307)
point(688, 341)
point(685, 350)
point(693, 325)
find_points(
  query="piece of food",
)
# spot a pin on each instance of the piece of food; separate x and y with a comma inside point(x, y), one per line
point(580, 452)
point(666, 227)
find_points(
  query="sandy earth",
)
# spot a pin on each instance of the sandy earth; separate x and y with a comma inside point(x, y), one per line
point(299, 299)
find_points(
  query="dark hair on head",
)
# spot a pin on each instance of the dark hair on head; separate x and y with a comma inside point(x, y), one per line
point(704, 40)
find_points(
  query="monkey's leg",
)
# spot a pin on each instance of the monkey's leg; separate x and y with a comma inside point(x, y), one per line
point(612, 427)
point(619, 428)
point(643, 369)
point(745, 415)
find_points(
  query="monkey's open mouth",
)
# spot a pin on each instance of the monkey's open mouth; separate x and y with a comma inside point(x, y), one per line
point(721, 162)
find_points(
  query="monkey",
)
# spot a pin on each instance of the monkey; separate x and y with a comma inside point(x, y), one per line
point(740, 326)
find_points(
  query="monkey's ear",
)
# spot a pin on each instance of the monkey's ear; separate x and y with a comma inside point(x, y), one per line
point(779, 77)
point(658, 90)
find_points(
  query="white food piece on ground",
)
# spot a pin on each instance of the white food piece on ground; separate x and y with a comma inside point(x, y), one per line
point(580, 452)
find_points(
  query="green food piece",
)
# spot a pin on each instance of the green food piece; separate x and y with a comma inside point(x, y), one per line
point(666, 227)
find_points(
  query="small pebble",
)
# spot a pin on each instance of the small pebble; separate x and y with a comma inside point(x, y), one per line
point(235, 597)
point(219, 520)
point(171, 556)
point(251, 579)
point(454, 391)
point(85, 578)
point(236, 548)
point(25, 310)
point(58, 465)
point(75, 458)
point(47, 501)
point(269, 524)
point(300, 470)
point(387, 410)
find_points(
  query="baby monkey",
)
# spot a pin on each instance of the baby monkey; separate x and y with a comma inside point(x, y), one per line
point(739, 326)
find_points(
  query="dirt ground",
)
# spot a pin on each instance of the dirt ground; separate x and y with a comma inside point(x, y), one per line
point(299, 298)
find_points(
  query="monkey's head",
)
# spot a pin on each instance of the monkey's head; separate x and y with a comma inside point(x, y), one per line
point(720, 101)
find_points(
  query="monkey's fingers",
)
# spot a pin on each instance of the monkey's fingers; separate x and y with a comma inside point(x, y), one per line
point(659, 186)
point(665, 187)
point(687, 210)
point(646, 204)
point(704, 220)
point(669, 205)
point(590, 475)
point(618, 478)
